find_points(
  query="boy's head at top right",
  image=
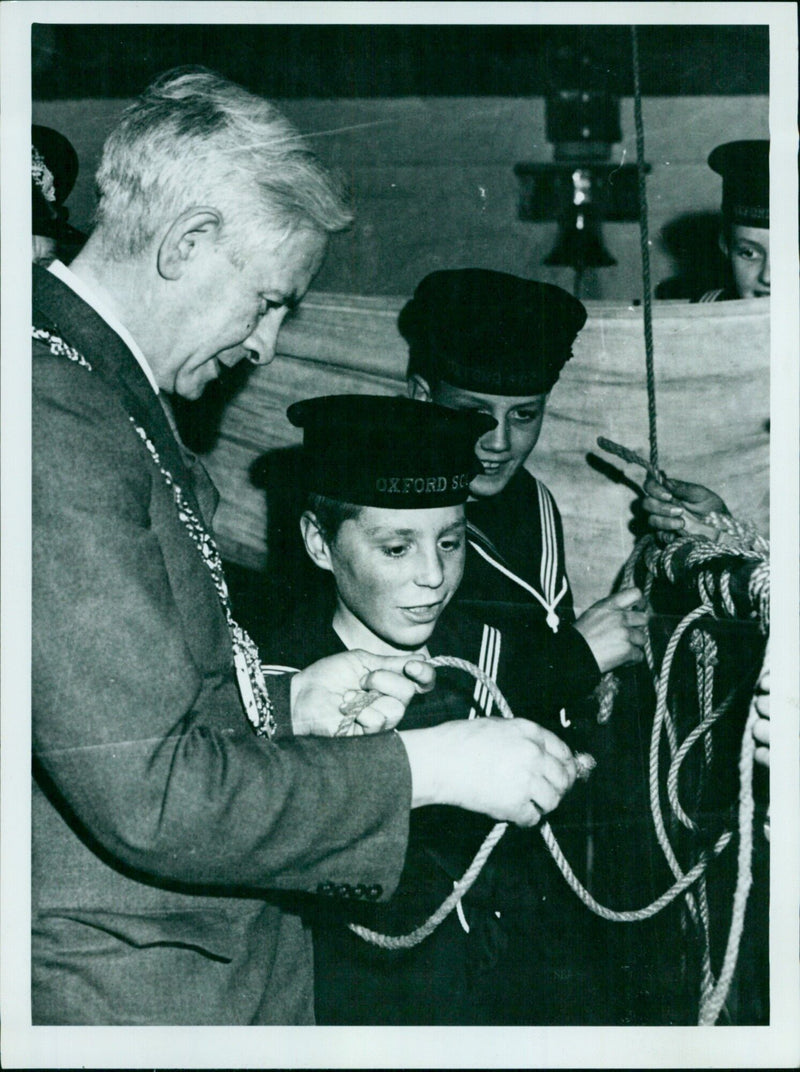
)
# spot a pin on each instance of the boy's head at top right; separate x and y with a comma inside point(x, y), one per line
point(493, 342)
point(744, 238)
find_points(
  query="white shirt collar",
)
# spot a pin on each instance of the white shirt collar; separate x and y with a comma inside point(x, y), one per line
point(95, 300)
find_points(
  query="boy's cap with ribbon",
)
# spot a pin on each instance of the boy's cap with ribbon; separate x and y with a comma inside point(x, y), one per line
point(389, 452)
point(54, 169)
point(744, 167)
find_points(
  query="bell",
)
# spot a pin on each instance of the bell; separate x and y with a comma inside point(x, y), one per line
point(580, 241)
point(580, 244)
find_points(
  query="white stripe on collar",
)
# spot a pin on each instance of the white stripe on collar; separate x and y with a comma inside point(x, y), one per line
point(552, 618)
point(94, 300)
point(549, 564)
point(488, 661)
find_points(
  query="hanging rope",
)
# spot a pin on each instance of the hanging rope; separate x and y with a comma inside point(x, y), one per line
point(644, 239)
point(712, 1003)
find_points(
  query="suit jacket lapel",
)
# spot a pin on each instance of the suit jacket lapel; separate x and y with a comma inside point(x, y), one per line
point(204, 487)
point(58, 308)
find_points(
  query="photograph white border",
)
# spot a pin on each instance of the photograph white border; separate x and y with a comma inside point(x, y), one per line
point(24, 1046)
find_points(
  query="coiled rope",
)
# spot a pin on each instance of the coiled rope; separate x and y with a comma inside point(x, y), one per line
point(682, 884)
point(734, 544)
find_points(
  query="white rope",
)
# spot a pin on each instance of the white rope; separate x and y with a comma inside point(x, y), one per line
point(712, 1003)
point(684, 880)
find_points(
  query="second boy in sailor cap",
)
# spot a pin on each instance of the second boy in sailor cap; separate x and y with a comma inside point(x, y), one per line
point(54, 169)
point(496, 343)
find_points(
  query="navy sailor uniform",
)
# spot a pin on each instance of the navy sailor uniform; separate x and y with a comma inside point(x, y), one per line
point(516, 553)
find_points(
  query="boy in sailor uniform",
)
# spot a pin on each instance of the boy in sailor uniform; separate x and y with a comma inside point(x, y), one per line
point(495, 343)
point(388, 479)
point(54, 169)
point(744, 236)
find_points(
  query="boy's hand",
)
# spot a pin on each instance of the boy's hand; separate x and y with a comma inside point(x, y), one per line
point(680, 508)
point(614, 629)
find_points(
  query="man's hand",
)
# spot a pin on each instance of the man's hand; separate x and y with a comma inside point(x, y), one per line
point(509, 769)
point(681, 508)
point(327, 697)
point(614, 628)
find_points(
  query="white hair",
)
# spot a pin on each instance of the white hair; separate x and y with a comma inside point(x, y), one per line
point(193, 138)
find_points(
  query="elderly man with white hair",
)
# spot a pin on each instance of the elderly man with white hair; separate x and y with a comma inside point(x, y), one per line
point(177, 792)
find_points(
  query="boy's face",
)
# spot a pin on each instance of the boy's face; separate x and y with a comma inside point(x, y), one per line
point(396, 570)
point(502, 451)
point(748, 252)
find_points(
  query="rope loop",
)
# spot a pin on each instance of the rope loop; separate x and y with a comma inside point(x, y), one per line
point(705, 648)
point(713, 993)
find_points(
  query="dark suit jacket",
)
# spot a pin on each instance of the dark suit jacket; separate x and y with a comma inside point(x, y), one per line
point(161, 824)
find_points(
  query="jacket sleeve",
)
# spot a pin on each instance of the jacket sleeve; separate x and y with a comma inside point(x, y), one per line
point(138, 729)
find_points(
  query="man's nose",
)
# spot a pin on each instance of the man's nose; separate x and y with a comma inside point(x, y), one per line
point(430, 573)
point(497, 439)
point(232, 356)
point(764, 276)
point(263, 340)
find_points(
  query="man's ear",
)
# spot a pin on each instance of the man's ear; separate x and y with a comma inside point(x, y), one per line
point(187, 235)
point(418, 388)
point(316, 544)
point(723, 244)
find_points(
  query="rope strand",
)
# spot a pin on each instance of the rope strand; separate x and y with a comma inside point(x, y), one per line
point(644, 239)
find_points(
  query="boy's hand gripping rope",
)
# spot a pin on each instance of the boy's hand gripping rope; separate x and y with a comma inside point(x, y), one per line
point(740, 537)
